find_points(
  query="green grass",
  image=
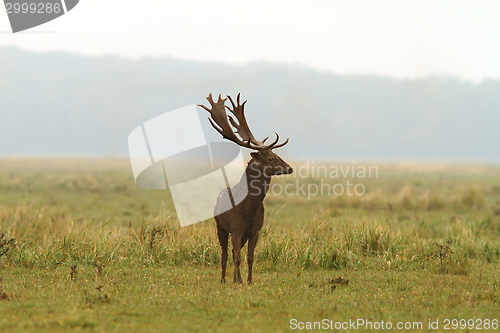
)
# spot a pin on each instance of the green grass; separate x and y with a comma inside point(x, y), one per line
point(94, 252)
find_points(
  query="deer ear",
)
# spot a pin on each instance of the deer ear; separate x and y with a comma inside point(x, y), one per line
point(255, 156)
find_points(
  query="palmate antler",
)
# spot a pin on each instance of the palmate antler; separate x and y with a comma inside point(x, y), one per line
point(218, 114)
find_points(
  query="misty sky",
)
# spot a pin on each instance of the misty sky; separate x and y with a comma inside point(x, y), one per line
point(402, 39)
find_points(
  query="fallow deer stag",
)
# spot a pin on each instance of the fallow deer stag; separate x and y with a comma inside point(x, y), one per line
point(244, 220)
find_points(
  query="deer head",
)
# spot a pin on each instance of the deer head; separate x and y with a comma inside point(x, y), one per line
point(264, 159)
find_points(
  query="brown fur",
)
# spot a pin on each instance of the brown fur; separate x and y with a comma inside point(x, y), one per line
point(245, 220)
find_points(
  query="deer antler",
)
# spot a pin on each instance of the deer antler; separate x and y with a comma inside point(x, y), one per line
point(242, 128)
point(218, 114)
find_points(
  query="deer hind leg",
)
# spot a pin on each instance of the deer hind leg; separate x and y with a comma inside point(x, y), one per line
point(236, 240)
point(223, 240)
point(252, 242)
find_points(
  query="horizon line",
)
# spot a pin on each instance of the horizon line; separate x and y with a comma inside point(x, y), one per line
point(441, 76)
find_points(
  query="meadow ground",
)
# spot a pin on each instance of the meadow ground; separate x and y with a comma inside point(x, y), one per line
point(82, 248)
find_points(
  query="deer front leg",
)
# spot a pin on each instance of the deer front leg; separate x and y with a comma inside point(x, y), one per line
point(252, 242)
point(223, 240)
point(236, 240)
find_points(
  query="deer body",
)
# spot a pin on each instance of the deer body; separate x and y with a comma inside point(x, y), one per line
point(244, 221)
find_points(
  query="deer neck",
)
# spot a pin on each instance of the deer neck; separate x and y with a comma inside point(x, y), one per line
point(257, 184)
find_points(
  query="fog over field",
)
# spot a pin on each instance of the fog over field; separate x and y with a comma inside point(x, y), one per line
point(61, 103)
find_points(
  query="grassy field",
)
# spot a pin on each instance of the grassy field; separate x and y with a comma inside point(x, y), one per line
point(82, 248)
